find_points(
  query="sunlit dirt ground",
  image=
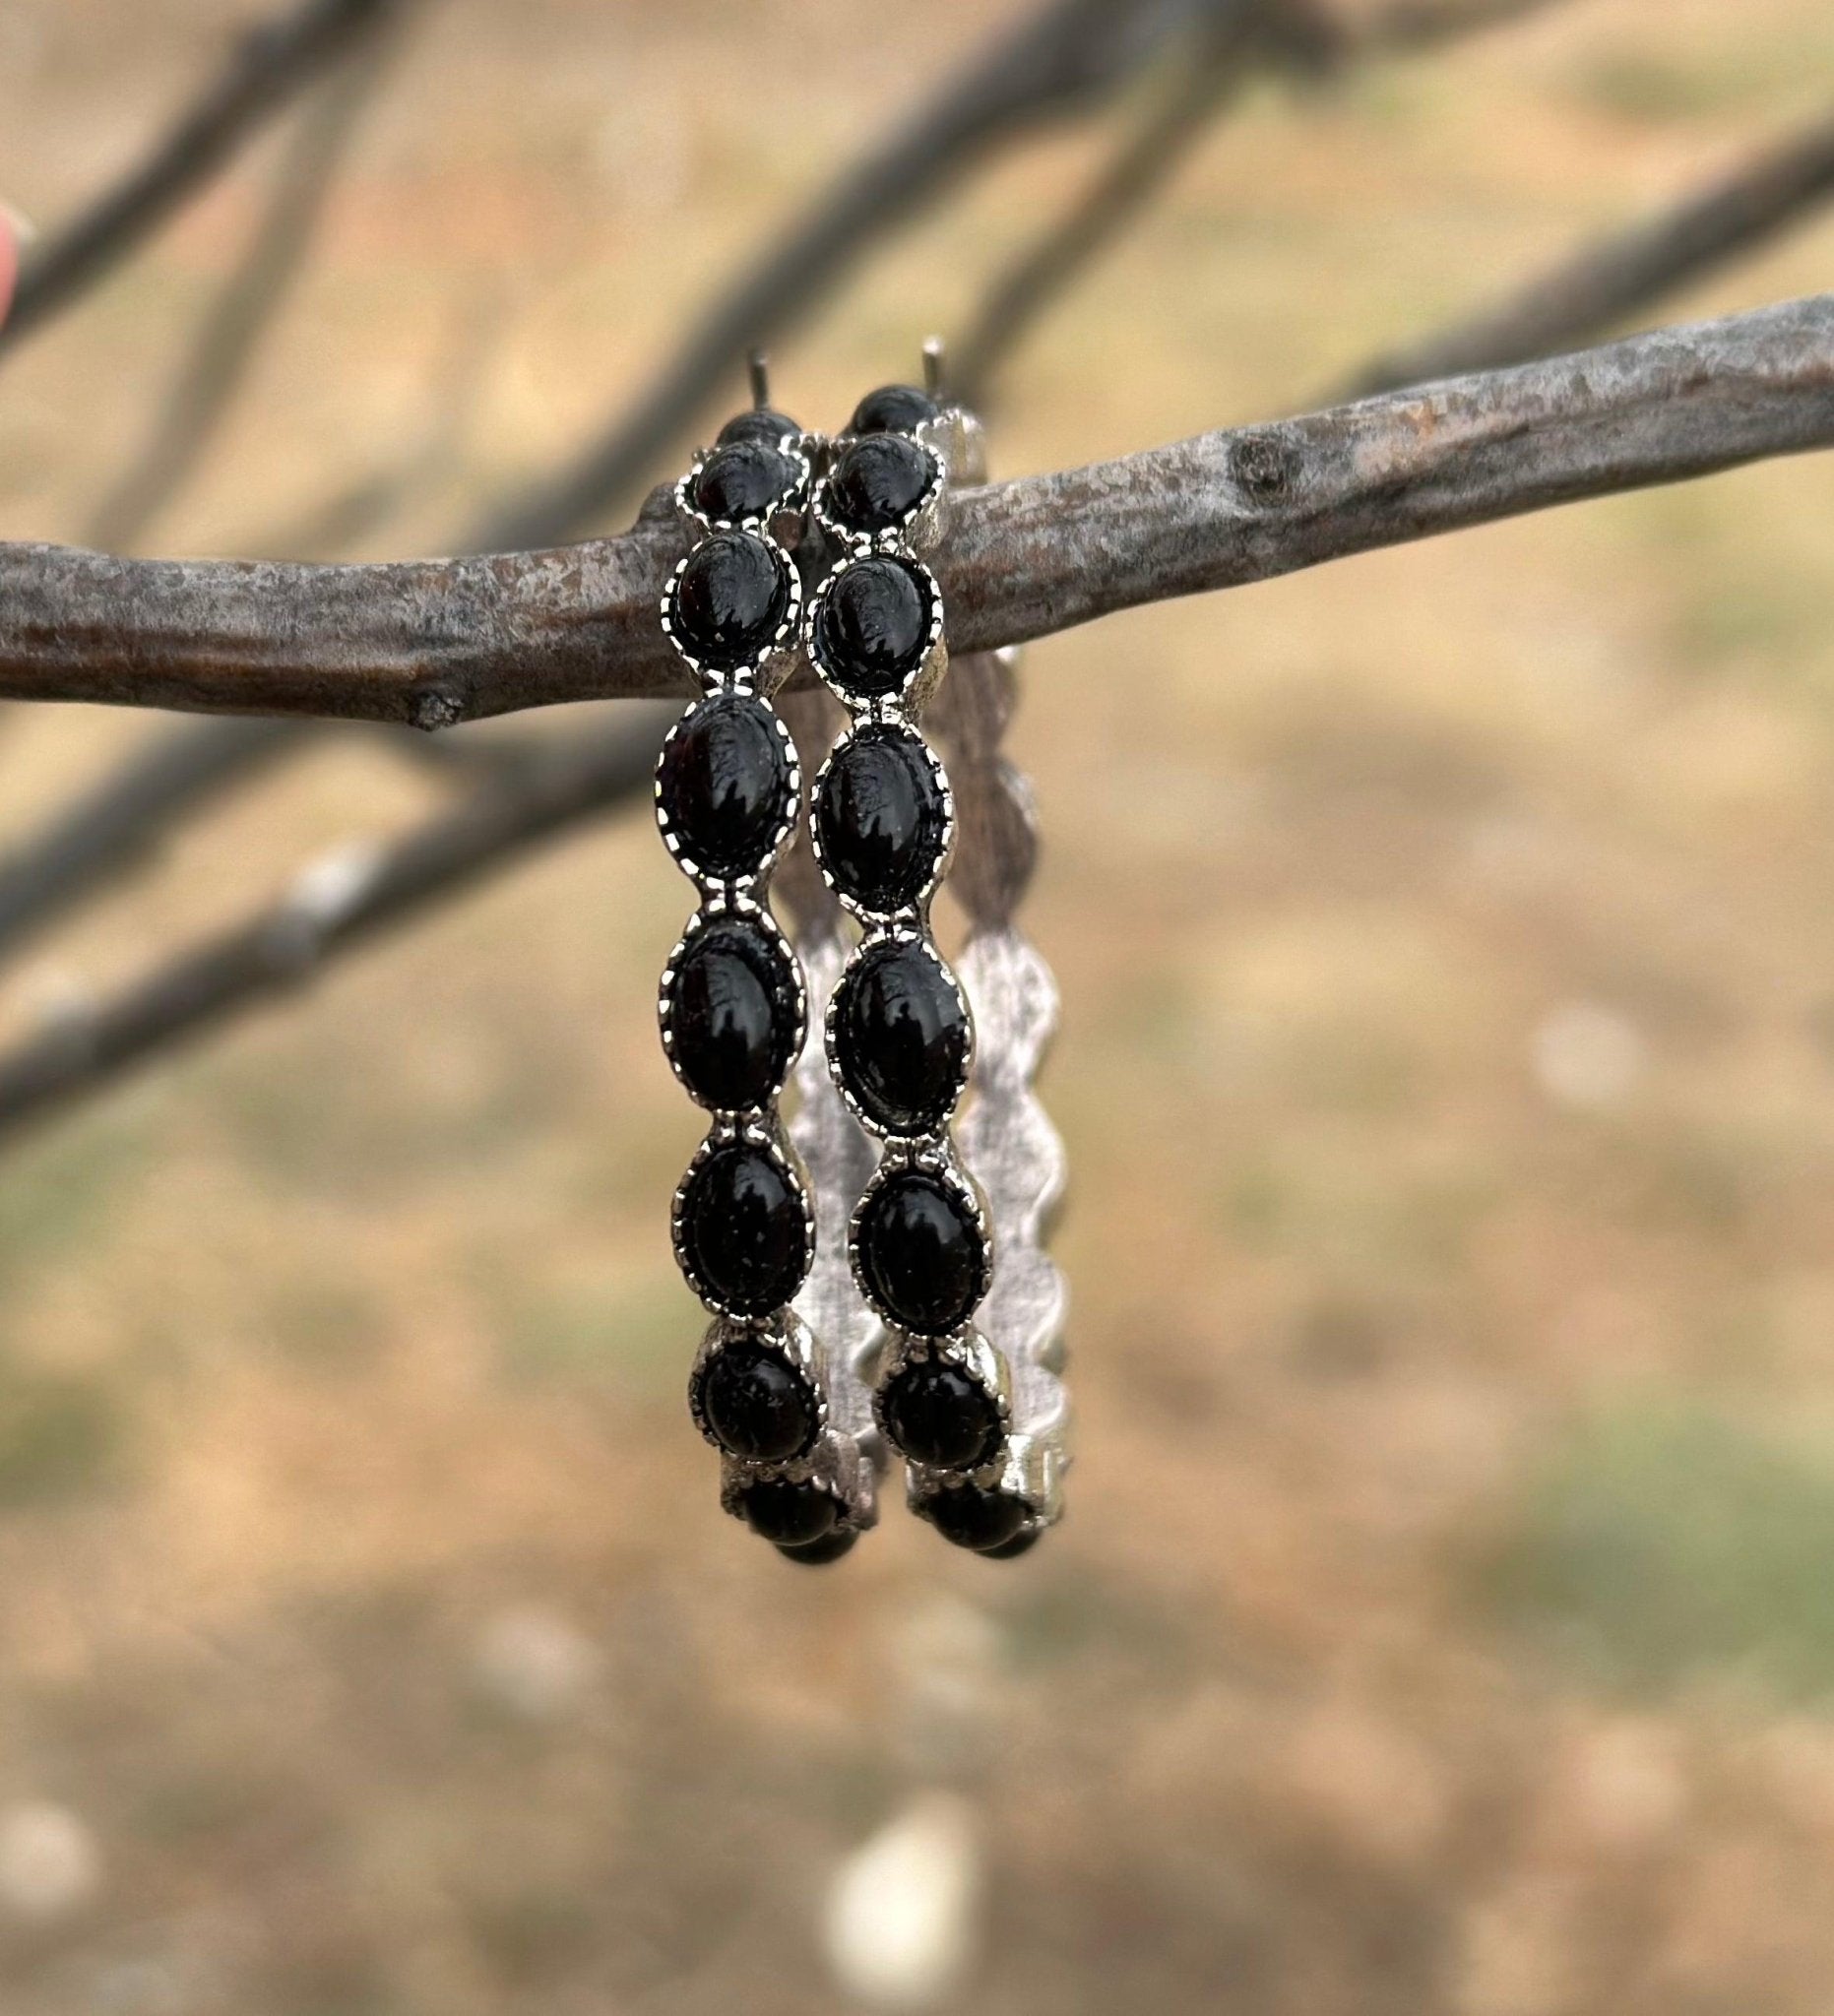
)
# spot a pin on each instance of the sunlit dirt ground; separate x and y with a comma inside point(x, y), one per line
point(1444, 1623)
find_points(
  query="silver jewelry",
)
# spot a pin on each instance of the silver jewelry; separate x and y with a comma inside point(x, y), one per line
point(734, 1007)
point(980, 1426)
point(1006, 1137)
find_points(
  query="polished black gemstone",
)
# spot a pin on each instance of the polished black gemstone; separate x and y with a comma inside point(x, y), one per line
point(892, 408)
point(744, 1233)
point(744, 479)
point(978, 1519)
point(901, 1038)
point(724, 784)
point(874, 625)
point(761, 423)
point(790, 1515)
point(1022, 1543)
point(922, 1253)
point(732, 595)
point(757, 1404)
point(819, 1553)
point(733, 1014)
point(940, 1414)
point(880, 819)
point(877, 480)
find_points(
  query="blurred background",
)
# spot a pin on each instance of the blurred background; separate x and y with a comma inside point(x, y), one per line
point(1444, 1621)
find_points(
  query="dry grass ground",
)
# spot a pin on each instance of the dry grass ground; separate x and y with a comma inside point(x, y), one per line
point(1443, 1623)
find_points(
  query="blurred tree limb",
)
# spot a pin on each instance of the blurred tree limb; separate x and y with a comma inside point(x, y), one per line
point(117, 824)
point(436, 642)
point(268, 69)
point(332, 906)
point(217, 364)
point(1287, 35)
point(1603, 284)
point(1058, 60)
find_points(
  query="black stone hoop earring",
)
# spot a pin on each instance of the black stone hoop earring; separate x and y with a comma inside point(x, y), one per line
point(732, 1006)
point(898, 1033)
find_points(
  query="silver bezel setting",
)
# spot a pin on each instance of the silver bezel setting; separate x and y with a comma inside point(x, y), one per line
point(784, 509)
point(768, 666)
point(970, 1351)
point(835, 1462)
point(935, 1159)
point(721, 907)
point(726, 1132)
point(789, 1336)
point(915, 531)
point(945, 851)
point(786, 829)
point(915, 934)
point(1030, 1468)
point(920, 681)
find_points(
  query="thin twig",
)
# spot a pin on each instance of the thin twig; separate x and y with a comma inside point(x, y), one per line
point(1419, 24)
point(1223, 508)
point(1068, 53)
point(1024, 291)
point(332, 906)
point(217, 365)
point(1630, 270)
point(270, 68)
point(1291, 34)
point(433, 642)
point(109, 830)
point(113, 827)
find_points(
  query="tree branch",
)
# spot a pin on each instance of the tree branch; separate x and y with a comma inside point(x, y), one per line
point(1236, 507)
point(437, 642)
point(270, 68)
point(1607, 283)
point(332, 906)
point(228, 340)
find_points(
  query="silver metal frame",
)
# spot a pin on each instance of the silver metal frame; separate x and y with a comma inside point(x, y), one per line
point(764, 1133)
point(907, 932)
point(781, 522)
point(839, 1158)
point(784, 1333)
point(727, 903)
point(768, 668)
point(906, 701)
point(788, 818)
point(945, 852)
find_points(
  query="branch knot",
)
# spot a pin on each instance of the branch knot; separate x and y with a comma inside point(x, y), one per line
point(1265, 465)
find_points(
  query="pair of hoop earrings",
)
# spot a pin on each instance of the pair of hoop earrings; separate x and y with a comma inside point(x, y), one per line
point(938, 1335)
